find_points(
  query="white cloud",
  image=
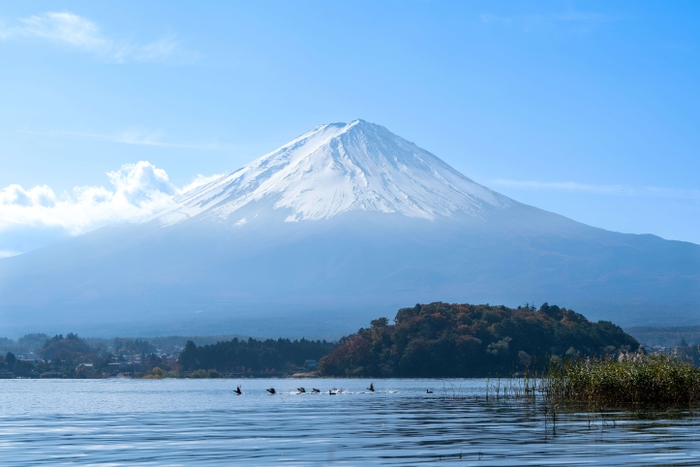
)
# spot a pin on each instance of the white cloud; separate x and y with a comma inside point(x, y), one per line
point(137, 192)
point(132, 137)
point(75, 31)
point(617, 190)
point(572, 20)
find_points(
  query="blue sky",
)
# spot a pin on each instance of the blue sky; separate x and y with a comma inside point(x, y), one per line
point(587, 109)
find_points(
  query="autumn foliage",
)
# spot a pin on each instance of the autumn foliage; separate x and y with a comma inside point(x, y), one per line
point(463, 340)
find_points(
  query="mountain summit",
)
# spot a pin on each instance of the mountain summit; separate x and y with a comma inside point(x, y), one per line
point(343, 224)
point(337, 168)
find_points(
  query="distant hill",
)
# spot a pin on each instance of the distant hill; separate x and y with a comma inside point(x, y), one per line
point(666, 336)
point(442, 340)
point(345, 223)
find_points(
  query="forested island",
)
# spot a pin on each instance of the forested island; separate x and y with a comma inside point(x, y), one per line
point(435, 340)
point(441, 340)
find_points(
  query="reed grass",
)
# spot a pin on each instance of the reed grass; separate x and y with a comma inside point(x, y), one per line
point(630, 379)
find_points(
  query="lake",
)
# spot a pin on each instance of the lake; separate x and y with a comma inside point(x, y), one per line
point(172, 422)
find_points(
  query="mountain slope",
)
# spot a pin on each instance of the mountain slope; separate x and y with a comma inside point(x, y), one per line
point(339, 168)
point(341, 225)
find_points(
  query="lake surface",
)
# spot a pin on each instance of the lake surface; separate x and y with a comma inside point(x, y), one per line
point(203, 423)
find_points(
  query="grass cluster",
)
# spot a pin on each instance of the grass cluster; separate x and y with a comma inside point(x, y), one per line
point(157, 373)
point(631, 379)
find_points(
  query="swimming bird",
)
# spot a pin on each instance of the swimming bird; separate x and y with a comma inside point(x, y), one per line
point(428, 391)
point(271, 391)
point(301, 390)
point(331, 393)
point(238, 390)
point(371, 387)
point(315, 390)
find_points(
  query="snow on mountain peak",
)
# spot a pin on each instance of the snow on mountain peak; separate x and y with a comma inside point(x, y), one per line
point(341, 167)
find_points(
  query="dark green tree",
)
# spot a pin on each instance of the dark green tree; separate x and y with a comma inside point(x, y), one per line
point(10, 360)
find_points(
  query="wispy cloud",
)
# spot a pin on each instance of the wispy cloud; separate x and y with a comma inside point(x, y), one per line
point(614, 190)
point(8, 253)
point(63, 27)
point(572, 20)
point(137, 192)
point(200, 180)
point(132, 137)
point(74, 31)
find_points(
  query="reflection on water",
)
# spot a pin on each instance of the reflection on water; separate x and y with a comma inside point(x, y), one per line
point(202, 422)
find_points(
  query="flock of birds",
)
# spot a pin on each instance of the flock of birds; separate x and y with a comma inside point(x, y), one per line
point(302, 390)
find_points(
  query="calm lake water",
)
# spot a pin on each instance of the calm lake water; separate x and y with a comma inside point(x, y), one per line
point(202, 423)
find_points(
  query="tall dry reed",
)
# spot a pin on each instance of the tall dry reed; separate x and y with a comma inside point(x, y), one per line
point(632, 378)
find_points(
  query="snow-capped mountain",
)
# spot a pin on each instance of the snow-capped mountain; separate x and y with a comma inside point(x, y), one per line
point(337, 168)
point(344, 224)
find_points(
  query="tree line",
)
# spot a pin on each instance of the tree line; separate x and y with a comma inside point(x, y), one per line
point(253, 356)
point(434, 340)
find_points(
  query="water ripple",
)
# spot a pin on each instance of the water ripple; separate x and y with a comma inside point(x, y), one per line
point(201, 422)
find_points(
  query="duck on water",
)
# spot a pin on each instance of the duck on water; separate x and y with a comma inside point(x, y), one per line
point(302, 390)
